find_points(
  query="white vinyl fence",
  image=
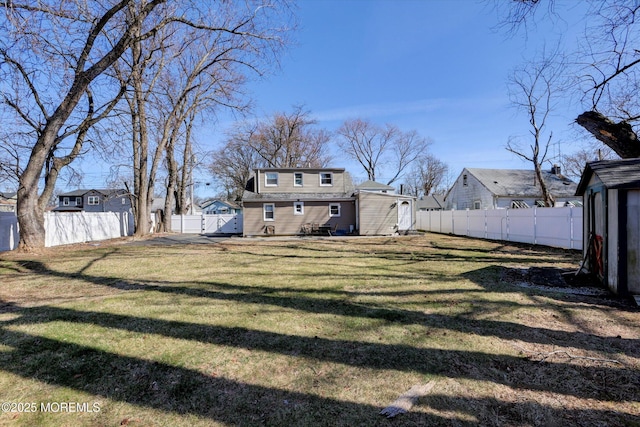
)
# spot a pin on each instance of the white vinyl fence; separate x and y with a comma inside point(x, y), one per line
point(207, 224)
point(9, 236)
point(557, 227)
point(62, 228)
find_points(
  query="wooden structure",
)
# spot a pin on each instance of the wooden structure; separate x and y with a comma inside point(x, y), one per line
point(611, 195)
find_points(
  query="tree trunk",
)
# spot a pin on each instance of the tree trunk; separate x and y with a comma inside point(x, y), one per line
point(30, 215)
point(547, 198)
point(620, 137)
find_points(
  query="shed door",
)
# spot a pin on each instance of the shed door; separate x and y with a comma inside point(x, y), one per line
point(633, 242)
point(404, 215)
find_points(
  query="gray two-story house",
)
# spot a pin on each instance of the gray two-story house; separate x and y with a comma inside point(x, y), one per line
point(287, 201)
point(293, 201)
point(101, 200)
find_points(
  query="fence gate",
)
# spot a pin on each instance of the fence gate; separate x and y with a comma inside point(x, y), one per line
point(207, 224)
point(222, 224)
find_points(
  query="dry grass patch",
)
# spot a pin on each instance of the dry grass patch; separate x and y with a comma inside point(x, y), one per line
point(311, 332)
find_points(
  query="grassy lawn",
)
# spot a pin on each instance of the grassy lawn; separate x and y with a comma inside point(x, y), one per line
point(309, 332)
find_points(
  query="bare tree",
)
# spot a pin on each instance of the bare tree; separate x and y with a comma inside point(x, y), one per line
point(427, 175)
point(54, 58)
point(282, 141)
point(51, 55)
point(378, 148)
point(573, 164)
point(290, 140)
point(533, 89)
point(232, 164)
point(606, 66)
point(186, 69)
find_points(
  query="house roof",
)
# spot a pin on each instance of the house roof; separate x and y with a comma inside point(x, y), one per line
point(432, 201)
point(250, 196)
point(82, 192)
point(224, 202)
point(374, 186)
point(10, 195)
point(623, 173)
point(522, 182)
point(67, 209)
point(301, 169)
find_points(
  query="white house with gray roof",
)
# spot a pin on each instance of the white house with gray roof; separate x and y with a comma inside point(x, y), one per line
point(508, 188)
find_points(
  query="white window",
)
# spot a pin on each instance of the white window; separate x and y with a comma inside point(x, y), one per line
point(269, 211)
point(464, 180)
point(65, 201)
point(334, 209)
point(298, 208)
point(326, 178)
point(93, 200)
point(78, 201)
point(297, 179)
point(271, 179)
point(477, 204)
point(124, 201)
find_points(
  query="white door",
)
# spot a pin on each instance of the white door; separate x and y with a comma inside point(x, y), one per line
point(404, 215)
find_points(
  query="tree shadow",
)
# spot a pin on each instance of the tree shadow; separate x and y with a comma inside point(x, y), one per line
point(494, 412)
point(547, 281)
point(162, 386)
point(465, 323)
point(169, 388)
point(185, 391)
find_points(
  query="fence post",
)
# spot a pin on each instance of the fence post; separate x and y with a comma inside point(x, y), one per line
point(486, 224)
point(535, 225)
point(571, 236)
point(506, 223)
point(468, 225)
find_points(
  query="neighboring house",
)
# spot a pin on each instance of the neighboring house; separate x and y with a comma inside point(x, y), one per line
point(104, 200)
point(8, 202)
point(611, 221)
point(220, 207)
point(432, 202)
point(293, 201)
point(507, 188)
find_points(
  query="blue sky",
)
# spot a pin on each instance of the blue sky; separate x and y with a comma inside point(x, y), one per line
point(439, 67)
point(436, 66)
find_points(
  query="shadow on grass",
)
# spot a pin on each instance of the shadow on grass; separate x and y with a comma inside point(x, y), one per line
point(409, 258)
point(495, 412)
point(170, 388)
point(185, 391)
point(465, 323)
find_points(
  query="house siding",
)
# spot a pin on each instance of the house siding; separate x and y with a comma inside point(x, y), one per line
point(464, 196)
point(379, 213)
point(310, 179)
point(287, 223)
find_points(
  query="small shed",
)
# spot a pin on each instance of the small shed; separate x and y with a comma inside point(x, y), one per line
point(384, 214)
point(611, 194)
